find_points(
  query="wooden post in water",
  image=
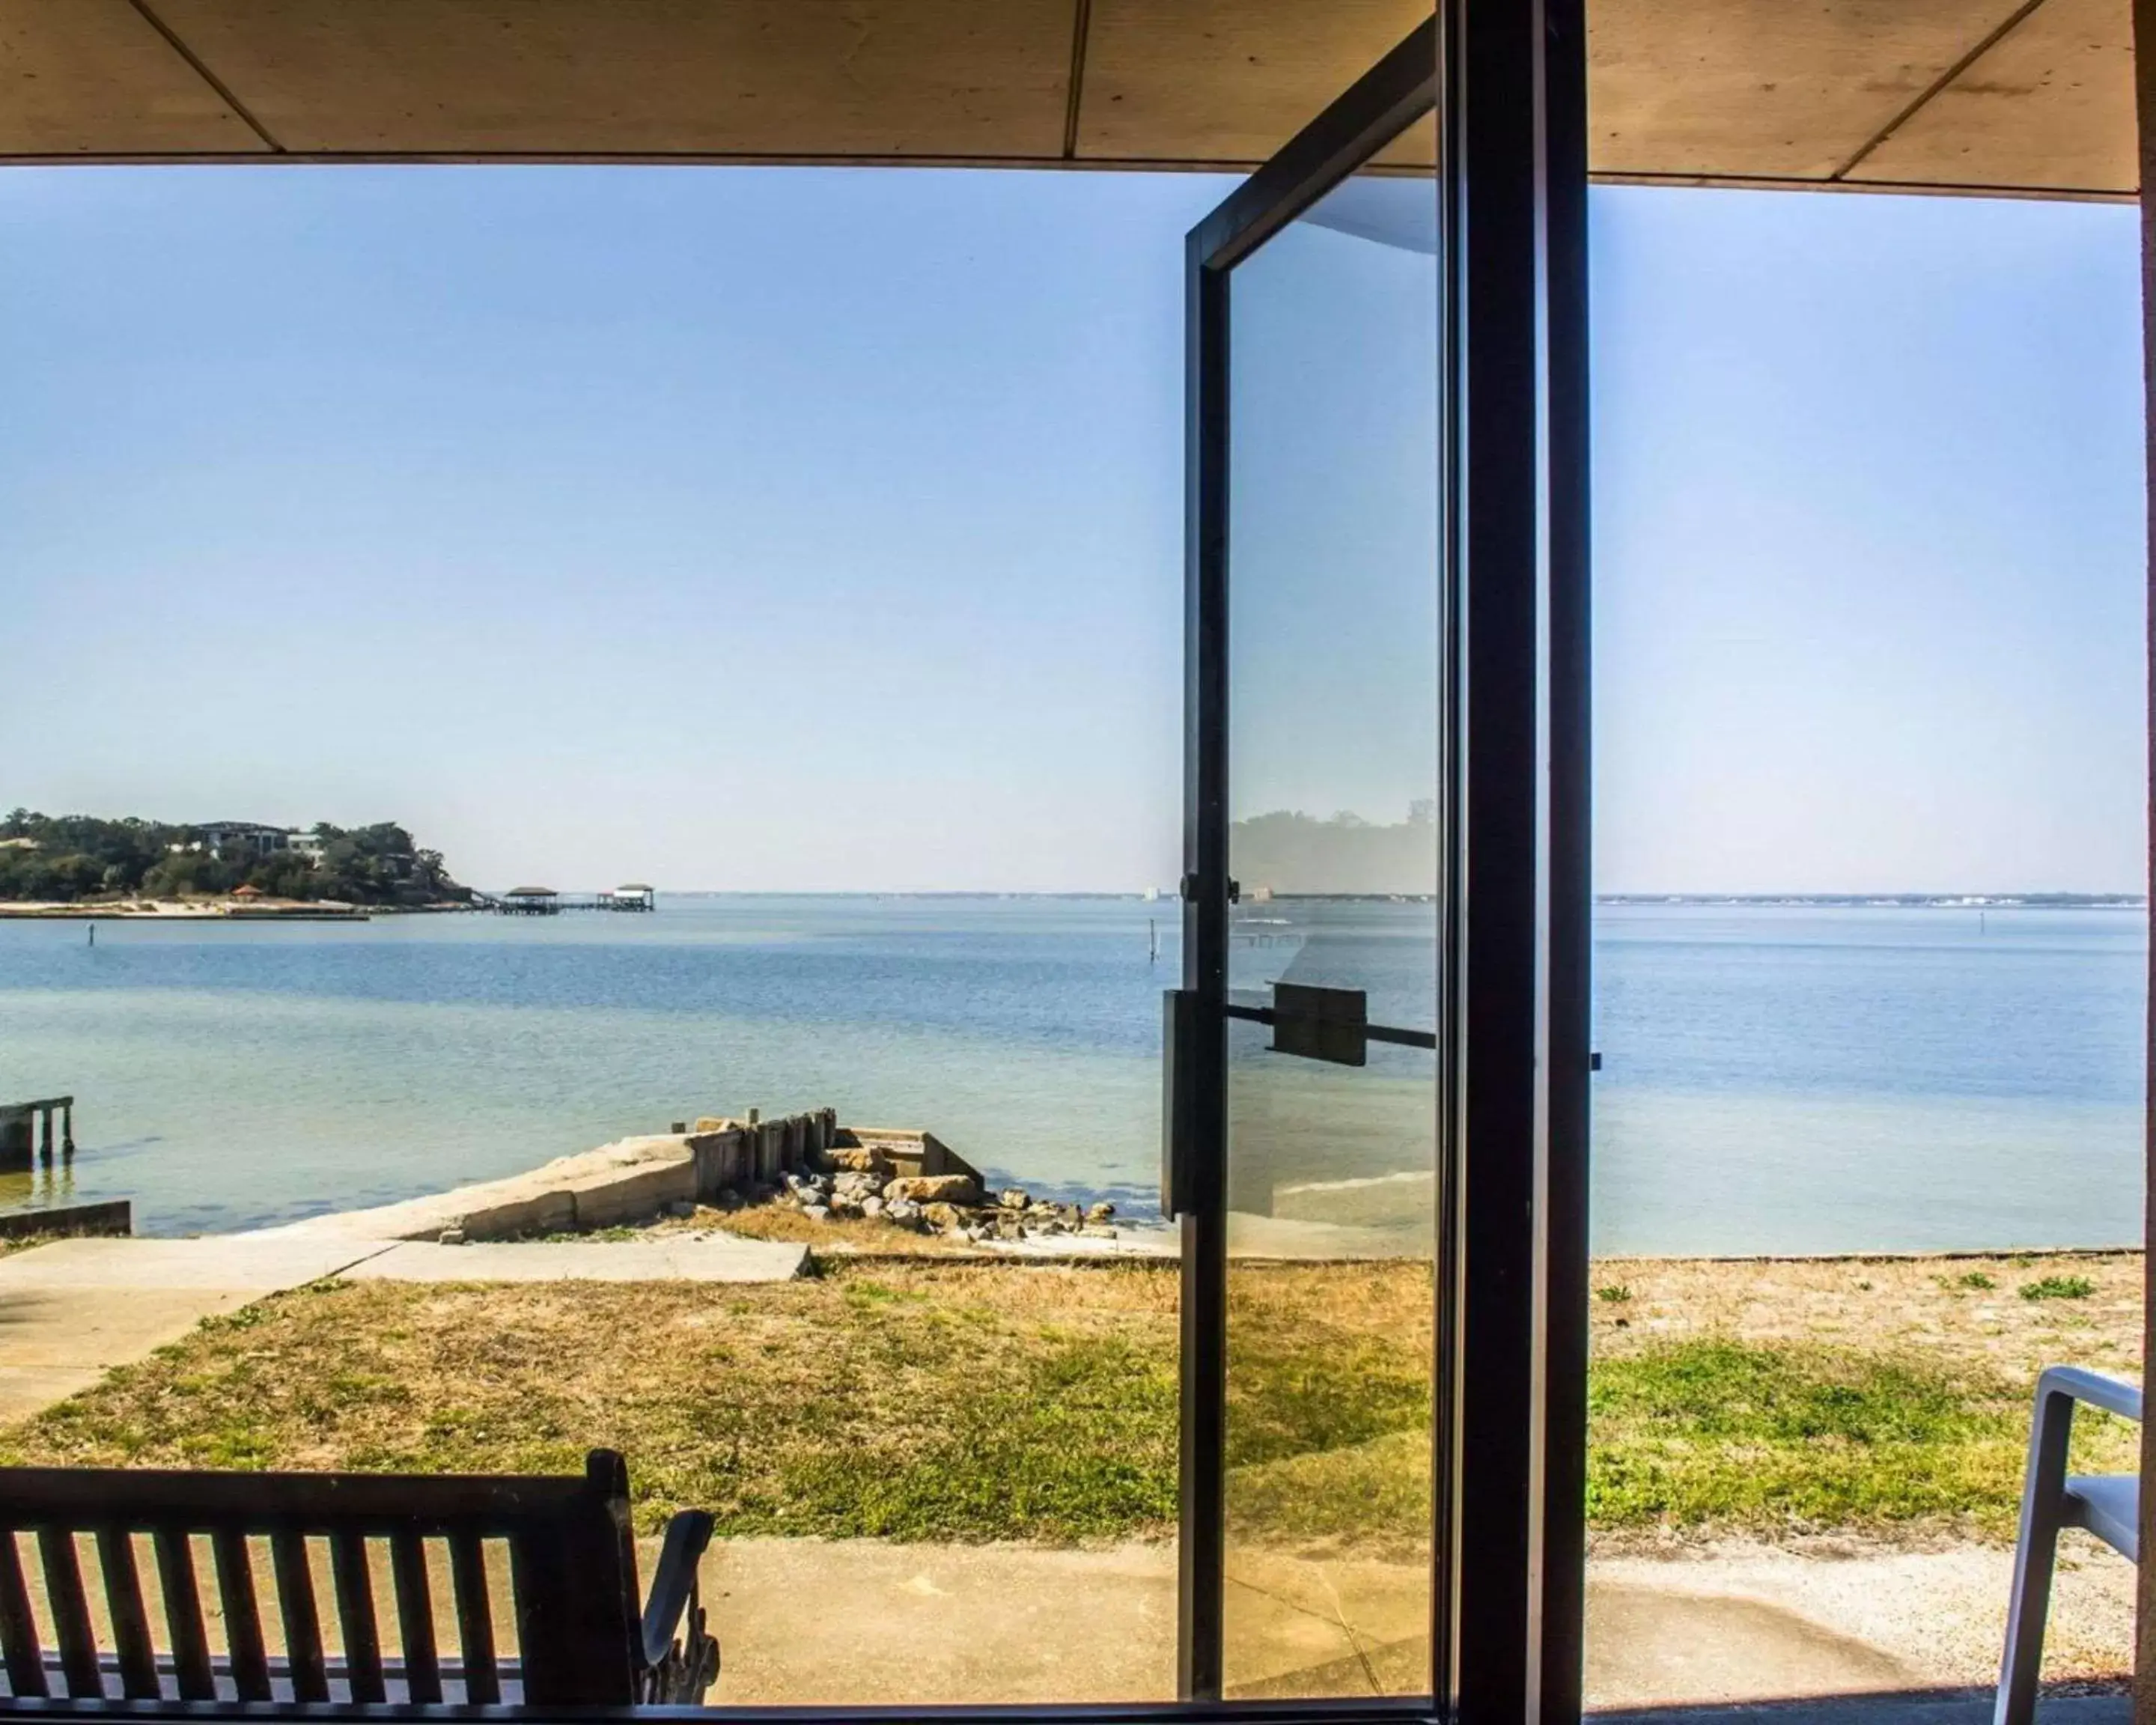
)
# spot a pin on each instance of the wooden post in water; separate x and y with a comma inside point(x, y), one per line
point(15, 1145)
point(27, 1135)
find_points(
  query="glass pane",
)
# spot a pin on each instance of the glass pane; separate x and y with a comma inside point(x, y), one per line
point(1333, 762)
point(1872, 956)
point(381, 540)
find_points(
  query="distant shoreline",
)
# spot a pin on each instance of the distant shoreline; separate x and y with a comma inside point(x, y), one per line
point(1886, 901)
point(222, 909)
point(223, 905)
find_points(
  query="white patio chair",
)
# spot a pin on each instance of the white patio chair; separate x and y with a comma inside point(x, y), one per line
point(2109, 1506)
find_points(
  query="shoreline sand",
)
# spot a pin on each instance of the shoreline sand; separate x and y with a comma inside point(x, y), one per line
point(225, 907)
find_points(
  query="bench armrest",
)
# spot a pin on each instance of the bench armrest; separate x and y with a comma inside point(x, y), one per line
point(674, 1583)
point(2098, 1391)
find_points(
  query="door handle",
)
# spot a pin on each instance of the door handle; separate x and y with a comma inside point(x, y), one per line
point(1329, 1024)
point(1179, 1099)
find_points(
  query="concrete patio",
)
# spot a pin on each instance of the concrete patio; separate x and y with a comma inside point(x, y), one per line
point(1860, 1637)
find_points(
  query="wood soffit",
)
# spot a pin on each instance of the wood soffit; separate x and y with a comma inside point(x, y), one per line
point(2027, 97)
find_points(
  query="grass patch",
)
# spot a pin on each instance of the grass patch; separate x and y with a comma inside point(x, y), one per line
point(1715, 1433)
point(925, 1404)
point(2058, 1287)
point(969, 1400)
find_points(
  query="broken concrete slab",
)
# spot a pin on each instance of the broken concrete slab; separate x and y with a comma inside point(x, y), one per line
point(234, 1263)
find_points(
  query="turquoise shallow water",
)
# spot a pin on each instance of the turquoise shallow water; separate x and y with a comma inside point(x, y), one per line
point(1774, 1079)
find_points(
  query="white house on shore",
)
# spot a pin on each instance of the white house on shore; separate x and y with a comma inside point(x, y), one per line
point(229, 839)
point(233, 840)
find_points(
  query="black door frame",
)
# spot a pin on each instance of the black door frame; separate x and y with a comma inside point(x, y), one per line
point(1508, 83)
point(1513, 1048)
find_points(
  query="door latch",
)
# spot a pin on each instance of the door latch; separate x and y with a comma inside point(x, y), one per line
point(1321, 1024)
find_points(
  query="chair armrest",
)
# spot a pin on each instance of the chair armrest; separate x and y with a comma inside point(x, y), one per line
point(674, 1582)
point(2077, 1384)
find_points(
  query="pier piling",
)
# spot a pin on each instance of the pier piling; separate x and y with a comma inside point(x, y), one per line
point(27, 1135)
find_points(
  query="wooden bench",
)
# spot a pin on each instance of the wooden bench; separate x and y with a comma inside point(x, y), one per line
point(570, 1569)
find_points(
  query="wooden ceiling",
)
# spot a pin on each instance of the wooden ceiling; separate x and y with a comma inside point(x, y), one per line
point(2014, 96)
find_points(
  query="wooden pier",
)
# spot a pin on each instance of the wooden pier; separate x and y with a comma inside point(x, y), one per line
point(25, 1126)
point(545, 902)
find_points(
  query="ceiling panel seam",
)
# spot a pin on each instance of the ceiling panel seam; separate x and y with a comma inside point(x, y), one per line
point(2014, 21)
point(194, 61)
point(1691, 178)
point(1082, 31)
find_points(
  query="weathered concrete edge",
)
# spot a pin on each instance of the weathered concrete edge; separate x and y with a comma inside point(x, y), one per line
point(631, 1180)
point(109, 1216)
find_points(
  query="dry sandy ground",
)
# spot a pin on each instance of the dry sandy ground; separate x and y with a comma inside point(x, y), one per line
point(1934, 1618)
point(1930, 1305)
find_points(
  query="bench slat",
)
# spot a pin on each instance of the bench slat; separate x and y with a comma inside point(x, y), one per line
point(70, 1614)
point(355, 1600)
point(18, 1629)
point(576, 1646)
point(183, 1617)
point(475, 1618)
point(571, 1633)
point(303, 1623)
point(378, 1504)
point(243, 1614)
point(415, 1616)
point(131, 1622)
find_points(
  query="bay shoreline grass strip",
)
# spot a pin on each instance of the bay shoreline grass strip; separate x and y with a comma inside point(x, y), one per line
point(1010, 1401)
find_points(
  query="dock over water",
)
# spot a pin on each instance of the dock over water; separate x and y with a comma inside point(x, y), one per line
point(545, 902)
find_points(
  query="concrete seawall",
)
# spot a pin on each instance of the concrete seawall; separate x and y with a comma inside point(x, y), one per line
point(631, 1180)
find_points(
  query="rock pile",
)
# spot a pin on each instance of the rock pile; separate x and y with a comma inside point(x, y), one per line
point(864, 1182)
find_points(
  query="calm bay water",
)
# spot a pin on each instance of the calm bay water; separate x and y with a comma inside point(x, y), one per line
point(1804, 1081)
point(1774, 1079)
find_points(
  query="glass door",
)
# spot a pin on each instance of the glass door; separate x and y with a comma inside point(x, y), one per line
point(1333, 789)
point(1375, 1112)
point(1307, 1079)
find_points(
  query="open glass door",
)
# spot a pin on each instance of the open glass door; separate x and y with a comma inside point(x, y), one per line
point(1375, 1106)
point(1308, 1152)
point(1332, 775)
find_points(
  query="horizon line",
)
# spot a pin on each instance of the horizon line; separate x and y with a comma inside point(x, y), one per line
point(1971, 899)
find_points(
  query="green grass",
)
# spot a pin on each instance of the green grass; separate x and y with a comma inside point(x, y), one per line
point(975, 1401)
point(900, 1407)
point(2058, 1287)
point(1714, 1434)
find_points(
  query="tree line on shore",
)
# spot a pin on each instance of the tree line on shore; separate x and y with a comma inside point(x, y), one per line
point(71, 858)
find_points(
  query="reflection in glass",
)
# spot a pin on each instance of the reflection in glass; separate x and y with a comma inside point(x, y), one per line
point(1333, 789)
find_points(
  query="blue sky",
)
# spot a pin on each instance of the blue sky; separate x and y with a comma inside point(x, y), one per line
point(1870, 543)
point(822, 529)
